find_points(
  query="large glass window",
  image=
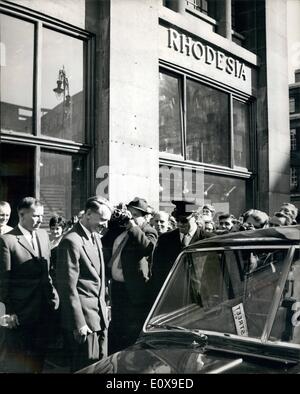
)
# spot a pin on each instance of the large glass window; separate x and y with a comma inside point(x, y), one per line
point(63, 184)
point(16, 60)
point(44, 77)
point(241, 129)
point(63, 88)
point(207, 128)
point(170, 123)
point(196, 122)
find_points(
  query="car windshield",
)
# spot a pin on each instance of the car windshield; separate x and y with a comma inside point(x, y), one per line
point(233, 292)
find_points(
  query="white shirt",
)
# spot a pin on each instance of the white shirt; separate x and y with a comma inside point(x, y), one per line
point(5, 229)
point(30, 237)
point(188, 235)
point(116, 271)
point(87, 232)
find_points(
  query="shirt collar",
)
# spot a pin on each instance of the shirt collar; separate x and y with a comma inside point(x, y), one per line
point(87, 232)
point(190, 234)
point(24, 231)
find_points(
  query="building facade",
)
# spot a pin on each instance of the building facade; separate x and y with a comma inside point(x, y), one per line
point(294, 90)
point(163, 99)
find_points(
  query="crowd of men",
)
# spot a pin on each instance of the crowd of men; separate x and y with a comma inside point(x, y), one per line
point(92, 281)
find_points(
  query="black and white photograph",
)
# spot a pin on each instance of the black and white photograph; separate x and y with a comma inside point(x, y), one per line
point(149, 190)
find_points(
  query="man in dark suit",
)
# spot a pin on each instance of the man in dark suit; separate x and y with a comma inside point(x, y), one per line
point(80, 280)
point(26, 289)
point(130, 274)
point(171, 243)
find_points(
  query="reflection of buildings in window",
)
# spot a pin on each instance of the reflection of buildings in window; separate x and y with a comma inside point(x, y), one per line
point(56, 123)
point(292, 105)
point(16, 117)
point(293, 139)
point(207, 7)
point(169, 114)
point(294, 178)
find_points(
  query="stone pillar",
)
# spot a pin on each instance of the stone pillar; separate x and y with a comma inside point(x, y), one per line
point(224, 18)
point(131, 143)
point(273, 135)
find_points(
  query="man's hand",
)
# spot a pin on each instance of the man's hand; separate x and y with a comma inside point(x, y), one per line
point(81, 334)
point(9, 321)
point(131, 223)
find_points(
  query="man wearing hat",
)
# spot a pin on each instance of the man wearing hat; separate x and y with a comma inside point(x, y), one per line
point(171, 243)
point(129, 272)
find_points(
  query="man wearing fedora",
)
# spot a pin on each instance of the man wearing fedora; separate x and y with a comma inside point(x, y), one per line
point(171, 243)
point(129, 269)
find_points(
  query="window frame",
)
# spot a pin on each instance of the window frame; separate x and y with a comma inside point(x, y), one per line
point(232, 95)
point(36, 139)
point(248, 175)
point(293, 133)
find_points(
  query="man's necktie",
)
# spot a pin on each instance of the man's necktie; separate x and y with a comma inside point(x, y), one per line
point(185, 240)
point(34, 243)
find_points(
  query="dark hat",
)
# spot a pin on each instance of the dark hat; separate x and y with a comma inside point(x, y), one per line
point(183, 208)
point(140, 204)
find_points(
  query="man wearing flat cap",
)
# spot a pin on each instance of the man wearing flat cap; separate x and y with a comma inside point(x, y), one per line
point(129, 272)
point(171, 243)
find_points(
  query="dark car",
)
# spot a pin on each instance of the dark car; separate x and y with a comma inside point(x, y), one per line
point(231, 304)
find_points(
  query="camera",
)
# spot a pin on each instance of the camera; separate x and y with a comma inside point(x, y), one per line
point(121, 215)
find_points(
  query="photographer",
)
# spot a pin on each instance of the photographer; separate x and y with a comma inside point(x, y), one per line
point(254, 219)
point(129, 271)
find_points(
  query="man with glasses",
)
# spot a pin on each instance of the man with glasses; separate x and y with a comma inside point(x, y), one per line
point(170, 244)
point(80, 277)
point(26, 289)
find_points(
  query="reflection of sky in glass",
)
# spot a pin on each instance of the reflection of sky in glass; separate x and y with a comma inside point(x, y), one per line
point(16, 38)
point(293, 31)
point(60, 50)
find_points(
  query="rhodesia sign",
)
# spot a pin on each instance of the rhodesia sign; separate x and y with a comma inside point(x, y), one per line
point(204, 53)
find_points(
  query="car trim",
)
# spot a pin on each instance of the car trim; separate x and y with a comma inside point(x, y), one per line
point(278, 292)
point(226, 367)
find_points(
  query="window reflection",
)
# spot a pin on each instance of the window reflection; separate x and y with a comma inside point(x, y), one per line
point(63, 110)
point(241, 134)
point(16, 60)
point(207, 138)
point(169, 114)
point(63, 184)
point(226, 194)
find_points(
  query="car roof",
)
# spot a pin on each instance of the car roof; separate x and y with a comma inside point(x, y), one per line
point(274, 235)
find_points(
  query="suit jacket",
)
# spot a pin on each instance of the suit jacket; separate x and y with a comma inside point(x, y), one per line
point(167, 249)
point(25, 285)
point(135, 265)
point(80, 279)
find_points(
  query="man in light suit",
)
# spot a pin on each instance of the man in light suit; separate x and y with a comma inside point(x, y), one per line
point(129, 267)
point(26, 289)
point(80, 278)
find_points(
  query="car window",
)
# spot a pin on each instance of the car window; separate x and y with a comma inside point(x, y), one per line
point(286, 326)
point(222, 291)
